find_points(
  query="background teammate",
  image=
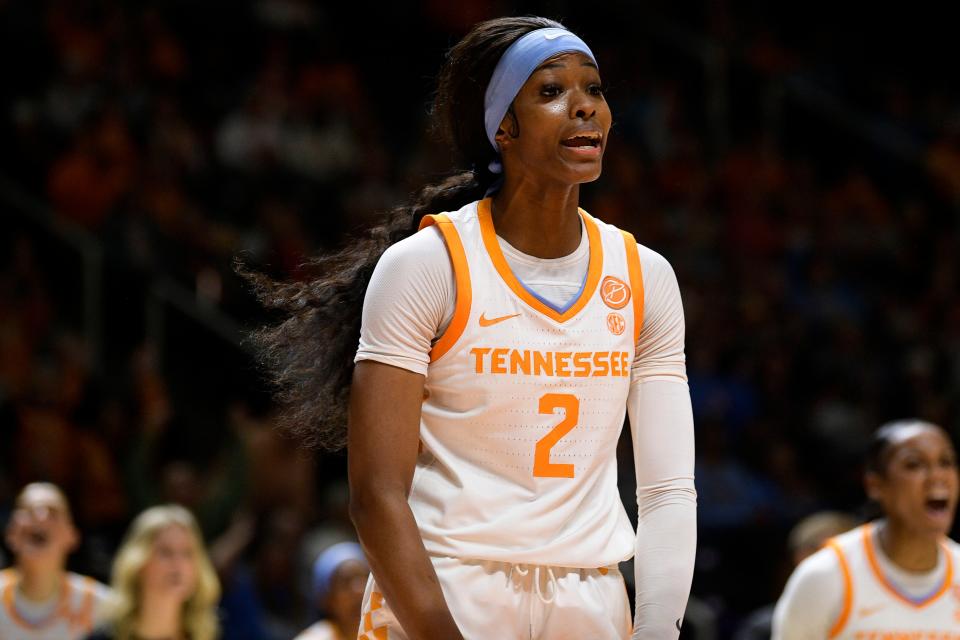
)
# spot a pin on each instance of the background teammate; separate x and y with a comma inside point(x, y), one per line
point(896, 576)
point(39, 598)
point(339, 577)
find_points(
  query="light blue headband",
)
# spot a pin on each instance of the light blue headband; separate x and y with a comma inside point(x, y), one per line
point(327, 564)
point(518, 62)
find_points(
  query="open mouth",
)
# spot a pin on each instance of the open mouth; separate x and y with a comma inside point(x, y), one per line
point(938, 506)
point(38, 538)
point(586, 140)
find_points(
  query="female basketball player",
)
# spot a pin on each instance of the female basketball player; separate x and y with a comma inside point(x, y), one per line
point(164, 583)
point(39, 598)
point(500, 347)
point(893, 577)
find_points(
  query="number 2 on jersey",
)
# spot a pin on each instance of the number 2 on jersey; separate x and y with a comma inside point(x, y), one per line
point(542, 467)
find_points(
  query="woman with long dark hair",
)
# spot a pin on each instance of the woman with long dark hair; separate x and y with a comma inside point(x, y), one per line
point(894, 577)
point(500, 347)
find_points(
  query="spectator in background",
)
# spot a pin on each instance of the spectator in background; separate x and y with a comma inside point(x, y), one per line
point(806, 538)
point(275, 566)
point(164, 582)
point(40, 599)
point(339, 579)
point(88, 181)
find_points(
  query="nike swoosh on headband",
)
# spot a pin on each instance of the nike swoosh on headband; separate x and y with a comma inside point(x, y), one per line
point(517, 63)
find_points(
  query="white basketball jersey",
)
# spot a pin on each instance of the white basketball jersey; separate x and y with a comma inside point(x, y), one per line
point(322, 630)
point(74, 617)
point(524, 405)
point(873, 608)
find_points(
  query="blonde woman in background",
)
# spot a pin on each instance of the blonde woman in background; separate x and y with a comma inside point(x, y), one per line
point(166, 587)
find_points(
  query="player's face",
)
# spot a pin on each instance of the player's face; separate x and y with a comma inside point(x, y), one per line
point(919, 488)
point(563, 121)
point(346, 590)
point(171, 569)
point(40, 530)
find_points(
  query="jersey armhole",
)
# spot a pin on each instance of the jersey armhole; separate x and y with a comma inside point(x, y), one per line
point(635, 271)
point(461, 274)
point(847, 590)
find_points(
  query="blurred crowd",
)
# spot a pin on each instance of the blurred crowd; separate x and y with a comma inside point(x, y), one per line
point(815, 240)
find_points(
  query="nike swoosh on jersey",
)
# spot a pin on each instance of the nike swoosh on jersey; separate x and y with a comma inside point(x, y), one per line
point(869, 611)
point(486, 322)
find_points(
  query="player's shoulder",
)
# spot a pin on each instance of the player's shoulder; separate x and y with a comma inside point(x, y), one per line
point(7, 576)
point(428, 241)
point(654, 263)
point(465, 213)
point(852, 539)
point(84, 583)
point(832, 559)
point(465, 217)
point(820, 568)
point(953, 547)
point(421, 251)
point(650, 260)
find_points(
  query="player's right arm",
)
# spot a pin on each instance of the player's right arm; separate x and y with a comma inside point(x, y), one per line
point(384, 435)
point(405, 305)
point(812, 601)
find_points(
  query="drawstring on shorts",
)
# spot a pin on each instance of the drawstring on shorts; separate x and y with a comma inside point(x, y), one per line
point(552, 585)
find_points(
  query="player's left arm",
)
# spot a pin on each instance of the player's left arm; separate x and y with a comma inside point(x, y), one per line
point(661, 420)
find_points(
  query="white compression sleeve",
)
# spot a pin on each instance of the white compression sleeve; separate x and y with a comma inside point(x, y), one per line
point(662, 423)
point(661, 419)
point(811, 601)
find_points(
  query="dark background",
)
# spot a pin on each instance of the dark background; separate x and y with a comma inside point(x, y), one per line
point(798, 164)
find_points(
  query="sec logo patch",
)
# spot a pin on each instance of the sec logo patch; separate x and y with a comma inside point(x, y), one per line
point(615, 292)
point(616, 323)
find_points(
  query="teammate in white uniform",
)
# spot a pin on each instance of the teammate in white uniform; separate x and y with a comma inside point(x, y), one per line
point(339, 576)
point(895, 578)
point(39, 599)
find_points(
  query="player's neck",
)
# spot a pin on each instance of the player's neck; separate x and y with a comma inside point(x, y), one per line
point(907, 550)
point(40, 584)
point(159, 617)
point(540, 220)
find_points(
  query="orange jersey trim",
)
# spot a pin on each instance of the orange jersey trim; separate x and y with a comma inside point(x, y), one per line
point(61, 612)
point(635, 272)
point(461, 273)
point(489, 235)
point(878, 572)
point(847, 590)
point(85, 619)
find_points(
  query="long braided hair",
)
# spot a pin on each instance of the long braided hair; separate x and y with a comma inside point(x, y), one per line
point(308, 355)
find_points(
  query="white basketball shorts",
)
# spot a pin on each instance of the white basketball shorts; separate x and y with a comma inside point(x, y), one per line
point(497, 600)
